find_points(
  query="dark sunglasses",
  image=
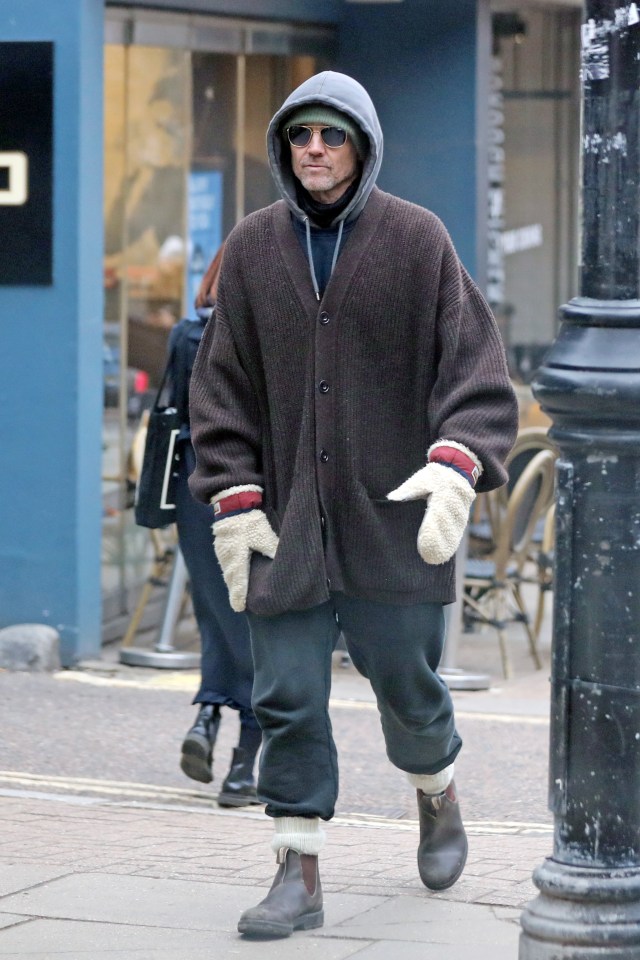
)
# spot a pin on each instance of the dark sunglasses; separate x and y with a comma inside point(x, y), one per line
point(331, 136)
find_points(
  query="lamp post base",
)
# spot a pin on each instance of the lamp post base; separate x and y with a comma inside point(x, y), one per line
point(582, 913)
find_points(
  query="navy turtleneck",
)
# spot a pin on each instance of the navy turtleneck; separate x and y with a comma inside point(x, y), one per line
point(323, 236)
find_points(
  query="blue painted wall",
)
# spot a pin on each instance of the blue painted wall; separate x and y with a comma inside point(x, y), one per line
point(417, 59)
point(51, 359)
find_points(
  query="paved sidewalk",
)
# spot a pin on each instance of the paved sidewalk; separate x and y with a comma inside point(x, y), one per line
point(128, 879)
point(85, 878)
point(133, 878)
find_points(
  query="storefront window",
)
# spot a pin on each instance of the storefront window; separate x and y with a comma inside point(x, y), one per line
point(145, 229)
point(185, 158)
point(214, 161)
point(266, 87)
point(533, 173)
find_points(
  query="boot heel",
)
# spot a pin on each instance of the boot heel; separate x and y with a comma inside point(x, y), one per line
point(197, 755)
point(310, 922)
point(197, 746)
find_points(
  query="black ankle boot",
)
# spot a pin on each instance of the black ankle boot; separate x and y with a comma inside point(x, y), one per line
point(238, 789)
point(197, 746)
point(293, 903)
point(442, 853)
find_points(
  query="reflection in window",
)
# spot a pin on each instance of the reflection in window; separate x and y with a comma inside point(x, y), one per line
point(145, 197)
point(175, 183)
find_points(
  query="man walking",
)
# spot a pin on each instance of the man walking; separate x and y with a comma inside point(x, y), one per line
point(354, 377)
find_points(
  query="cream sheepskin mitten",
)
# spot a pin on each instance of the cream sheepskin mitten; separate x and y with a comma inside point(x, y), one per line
point(235, 538)
point(302, 834)
point(449, 497)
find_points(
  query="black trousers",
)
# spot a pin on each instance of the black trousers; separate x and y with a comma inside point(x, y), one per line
point(398, 648)
point(226, 667)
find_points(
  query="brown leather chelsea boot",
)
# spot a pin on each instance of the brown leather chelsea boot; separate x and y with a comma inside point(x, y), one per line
point(442, 853)
point(294, 901)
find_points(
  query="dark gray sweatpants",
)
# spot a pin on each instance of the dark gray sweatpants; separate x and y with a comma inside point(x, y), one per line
point(398, 648)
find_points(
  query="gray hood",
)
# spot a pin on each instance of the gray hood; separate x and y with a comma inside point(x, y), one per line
point(343, 93)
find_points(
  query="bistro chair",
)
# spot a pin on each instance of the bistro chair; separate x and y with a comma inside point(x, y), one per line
point(493, 581)
point(489, 508)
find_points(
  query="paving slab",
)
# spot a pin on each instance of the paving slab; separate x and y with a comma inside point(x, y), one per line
point(428, 920)
point(18, 876)
point(9, 919)
point(77, 940)
point(382, 950)
point(172, 904)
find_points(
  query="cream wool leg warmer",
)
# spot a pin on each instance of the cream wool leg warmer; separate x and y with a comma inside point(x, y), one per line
point(302, 834)
point(432, 783)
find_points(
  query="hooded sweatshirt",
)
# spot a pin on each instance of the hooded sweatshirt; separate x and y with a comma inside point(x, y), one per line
point(342, 93)
point(328, 406)
point(323, 244)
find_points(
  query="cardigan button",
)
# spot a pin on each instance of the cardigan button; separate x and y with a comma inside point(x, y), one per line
point(324, 317)
point(323, 386)
point(324, 456)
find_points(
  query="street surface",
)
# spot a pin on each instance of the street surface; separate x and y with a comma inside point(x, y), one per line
point(121, 727)
point(108, 851)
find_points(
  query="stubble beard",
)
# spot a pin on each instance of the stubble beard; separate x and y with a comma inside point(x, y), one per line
point(317, 182)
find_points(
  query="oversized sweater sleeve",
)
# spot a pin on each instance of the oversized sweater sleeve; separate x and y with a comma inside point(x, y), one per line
point(225, 419)
point(473, 401)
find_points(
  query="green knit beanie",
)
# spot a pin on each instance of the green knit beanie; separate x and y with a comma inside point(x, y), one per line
point(319, 113)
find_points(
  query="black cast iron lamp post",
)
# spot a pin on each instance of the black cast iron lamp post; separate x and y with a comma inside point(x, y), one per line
point(589, 901)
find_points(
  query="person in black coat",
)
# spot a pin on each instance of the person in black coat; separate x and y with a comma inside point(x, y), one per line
point(226, 665)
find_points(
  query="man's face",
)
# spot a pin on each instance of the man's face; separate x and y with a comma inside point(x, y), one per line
point(326, 172)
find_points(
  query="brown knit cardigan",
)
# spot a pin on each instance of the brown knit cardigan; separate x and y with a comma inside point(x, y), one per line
point(329, 406)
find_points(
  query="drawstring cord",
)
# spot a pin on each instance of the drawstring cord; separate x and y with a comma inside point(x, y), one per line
point(336, 251)
point(337, 246)
point(310, 258)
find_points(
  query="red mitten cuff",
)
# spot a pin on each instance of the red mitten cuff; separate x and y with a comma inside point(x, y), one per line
point(237, 503)
point(457, 457)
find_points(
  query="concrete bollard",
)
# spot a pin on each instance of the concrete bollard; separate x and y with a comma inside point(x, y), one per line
point(30, 646)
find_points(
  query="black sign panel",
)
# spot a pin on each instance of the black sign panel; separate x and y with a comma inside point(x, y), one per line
point(26, 163)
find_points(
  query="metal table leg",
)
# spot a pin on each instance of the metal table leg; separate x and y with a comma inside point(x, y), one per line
point(455, 678)
point(164, 654)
